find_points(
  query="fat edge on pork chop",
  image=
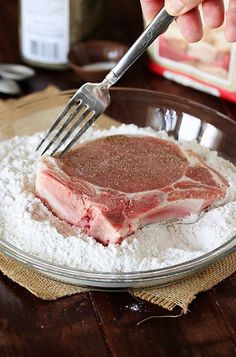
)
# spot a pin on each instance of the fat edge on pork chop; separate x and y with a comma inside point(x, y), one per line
point(114, 185)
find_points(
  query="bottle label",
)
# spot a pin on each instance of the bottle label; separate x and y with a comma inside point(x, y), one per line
point(45, 30)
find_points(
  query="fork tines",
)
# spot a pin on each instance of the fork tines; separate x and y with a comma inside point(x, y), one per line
point(73, 115)
point(91, 119)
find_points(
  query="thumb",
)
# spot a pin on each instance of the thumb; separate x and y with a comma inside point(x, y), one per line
point(179, 7)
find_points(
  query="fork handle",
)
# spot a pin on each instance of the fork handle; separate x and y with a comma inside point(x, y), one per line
point(160, 23)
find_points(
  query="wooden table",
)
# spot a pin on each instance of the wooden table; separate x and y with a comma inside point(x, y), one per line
point(99, 323)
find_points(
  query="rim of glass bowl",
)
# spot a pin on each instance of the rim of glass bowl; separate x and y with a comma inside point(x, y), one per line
point(89, 278)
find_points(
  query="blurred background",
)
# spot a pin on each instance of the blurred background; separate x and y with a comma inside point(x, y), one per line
point(40, 34)
point(118, 21)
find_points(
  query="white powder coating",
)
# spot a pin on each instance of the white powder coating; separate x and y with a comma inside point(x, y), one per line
point(28, 224)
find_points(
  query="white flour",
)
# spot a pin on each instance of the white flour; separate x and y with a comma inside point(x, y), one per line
point(27, 224)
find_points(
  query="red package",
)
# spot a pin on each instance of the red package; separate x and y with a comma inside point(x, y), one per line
point(208, 65)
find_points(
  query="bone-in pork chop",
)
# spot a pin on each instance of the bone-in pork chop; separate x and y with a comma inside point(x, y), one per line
point(114, 185)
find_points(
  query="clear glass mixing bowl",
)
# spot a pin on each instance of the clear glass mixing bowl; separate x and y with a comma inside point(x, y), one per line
point(180, 117)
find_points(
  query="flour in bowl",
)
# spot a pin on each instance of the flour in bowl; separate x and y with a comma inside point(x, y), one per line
point(28, 224)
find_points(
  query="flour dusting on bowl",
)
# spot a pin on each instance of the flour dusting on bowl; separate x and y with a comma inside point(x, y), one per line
point(29, 225)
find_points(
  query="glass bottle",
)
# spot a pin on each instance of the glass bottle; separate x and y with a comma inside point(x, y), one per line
point(49, 27)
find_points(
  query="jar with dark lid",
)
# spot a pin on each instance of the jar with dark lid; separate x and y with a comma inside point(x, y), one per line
point(49, 27)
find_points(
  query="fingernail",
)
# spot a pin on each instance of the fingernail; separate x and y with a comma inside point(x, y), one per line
point(174, 7)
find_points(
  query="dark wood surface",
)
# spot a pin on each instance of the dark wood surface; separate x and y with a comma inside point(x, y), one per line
point(99, 323)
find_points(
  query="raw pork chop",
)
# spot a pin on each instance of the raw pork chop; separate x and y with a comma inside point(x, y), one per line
point(114, 185)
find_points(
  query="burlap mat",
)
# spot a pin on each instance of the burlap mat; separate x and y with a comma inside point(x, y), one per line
point(179, 294)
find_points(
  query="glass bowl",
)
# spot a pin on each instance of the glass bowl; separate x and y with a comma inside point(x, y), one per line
point(181, 118)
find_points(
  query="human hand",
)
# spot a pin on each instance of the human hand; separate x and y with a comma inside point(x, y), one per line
point(189, 19)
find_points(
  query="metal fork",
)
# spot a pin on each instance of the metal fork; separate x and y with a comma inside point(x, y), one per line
point(92, 99)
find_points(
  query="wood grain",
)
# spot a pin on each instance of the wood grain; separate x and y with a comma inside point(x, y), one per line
point(224, 298)
point(199, 333)
point(32, 327)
